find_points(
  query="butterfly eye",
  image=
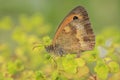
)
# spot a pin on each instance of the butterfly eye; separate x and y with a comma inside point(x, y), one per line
point(75, 17)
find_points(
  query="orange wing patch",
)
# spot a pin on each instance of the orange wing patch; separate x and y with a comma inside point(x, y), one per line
point(67, 29)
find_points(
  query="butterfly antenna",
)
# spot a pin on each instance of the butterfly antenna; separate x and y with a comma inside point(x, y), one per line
point(37, 44)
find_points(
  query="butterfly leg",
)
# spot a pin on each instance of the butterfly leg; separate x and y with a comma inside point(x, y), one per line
point(60, 52)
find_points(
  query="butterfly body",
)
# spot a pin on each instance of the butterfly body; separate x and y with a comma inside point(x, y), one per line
point(74, 35)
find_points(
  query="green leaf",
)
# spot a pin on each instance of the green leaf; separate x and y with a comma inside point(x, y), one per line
point(69, 64)
point(39, 75)
point(80, 62)
point(101, 69)
point(46, 40)
point(114, 66)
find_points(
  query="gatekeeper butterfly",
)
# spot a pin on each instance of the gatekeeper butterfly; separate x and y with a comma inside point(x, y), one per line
point(74, 34)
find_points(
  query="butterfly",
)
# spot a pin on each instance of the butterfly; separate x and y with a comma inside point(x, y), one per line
point(74, 34)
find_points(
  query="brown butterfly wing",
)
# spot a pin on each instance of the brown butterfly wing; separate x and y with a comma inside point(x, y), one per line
point(75, 33)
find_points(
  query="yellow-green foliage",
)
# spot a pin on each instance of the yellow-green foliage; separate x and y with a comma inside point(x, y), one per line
point(23, 57)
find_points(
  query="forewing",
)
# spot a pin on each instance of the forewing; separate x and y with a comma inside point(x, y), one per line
point(75, 33)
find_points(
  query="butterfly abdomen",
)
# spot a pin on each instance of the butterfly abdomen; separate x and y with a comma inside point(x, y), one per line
point(49, 48)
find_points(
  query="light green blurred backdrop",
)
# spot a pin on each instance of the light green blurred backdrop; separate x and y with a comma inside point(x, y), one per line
point(102, 13)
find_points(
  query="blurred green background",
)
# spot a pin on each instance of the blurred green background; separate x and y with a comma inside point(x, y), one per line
point(102, 13)
point(28, 23)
